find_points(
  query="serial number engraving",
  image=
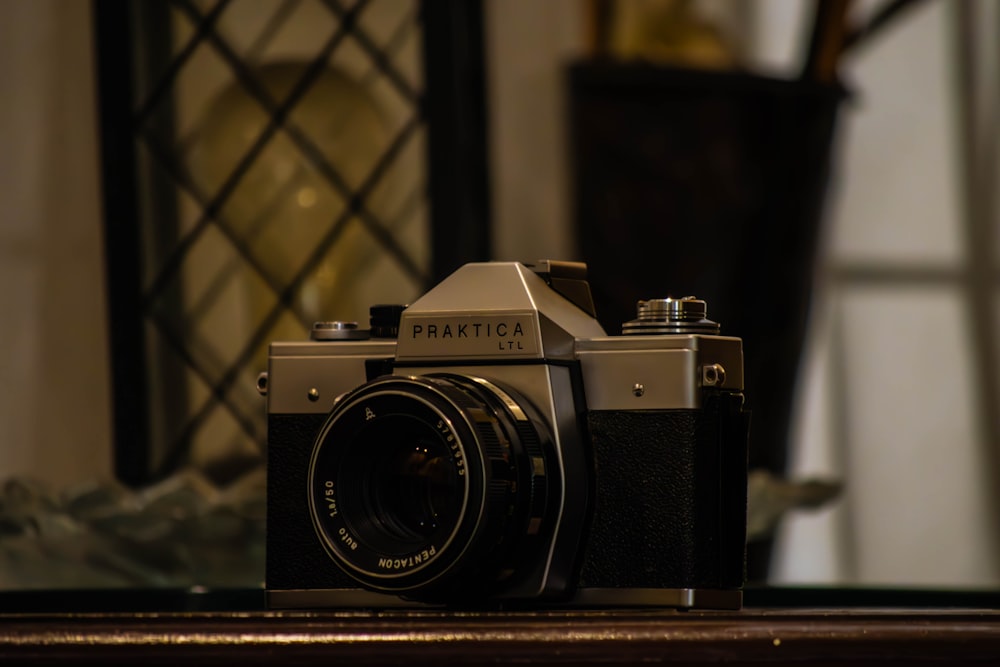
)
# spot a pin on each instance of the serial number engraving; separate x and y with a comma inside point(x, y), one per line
point(456, 450)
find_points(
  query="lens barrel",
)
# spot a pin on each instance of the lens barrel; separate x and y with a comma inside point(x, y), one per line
point(434, 487)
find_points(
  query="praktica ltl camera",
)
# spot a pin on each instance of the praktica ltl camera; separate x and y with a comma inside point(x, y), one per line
point(491, 446)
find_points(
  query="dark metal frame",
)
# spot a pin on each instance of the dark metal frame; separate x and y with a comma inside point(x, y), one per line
point(130, 410)
point(455, 108)
point(452, 106)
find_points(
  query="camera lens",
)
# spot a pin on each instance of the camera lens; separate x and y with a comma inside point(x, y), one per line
point(435, 487)
point(403, 479)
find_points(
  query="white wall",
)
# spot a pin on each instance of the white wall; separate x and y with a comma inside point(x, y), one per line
point(528, 43)
point(54, 405)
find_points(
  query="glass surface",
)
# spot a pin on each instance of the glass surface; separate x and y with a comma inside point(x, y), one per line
point(185, 532)
point(889, 405)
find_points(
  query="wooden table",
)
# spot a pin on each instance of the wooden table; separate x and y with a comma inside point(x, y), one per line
point(779, 635)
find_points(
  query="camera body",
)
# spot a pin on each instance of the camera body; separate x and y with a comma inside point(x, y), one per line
point(496, 448)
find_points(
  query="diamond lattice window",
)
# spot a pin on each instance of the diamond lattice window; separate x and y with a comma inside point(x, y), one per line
point(280, 156)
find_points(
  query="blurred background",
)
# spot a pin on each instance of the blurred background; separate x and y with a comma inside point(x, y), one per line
point(183, 181)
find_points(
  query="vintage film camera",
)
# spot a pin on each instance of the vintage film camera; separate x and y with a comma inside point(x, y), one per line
point(491, 446)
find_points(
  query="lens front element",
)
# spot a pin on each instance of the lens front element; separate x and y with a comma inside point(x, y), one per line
point(415, 487)
point(400, 482)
